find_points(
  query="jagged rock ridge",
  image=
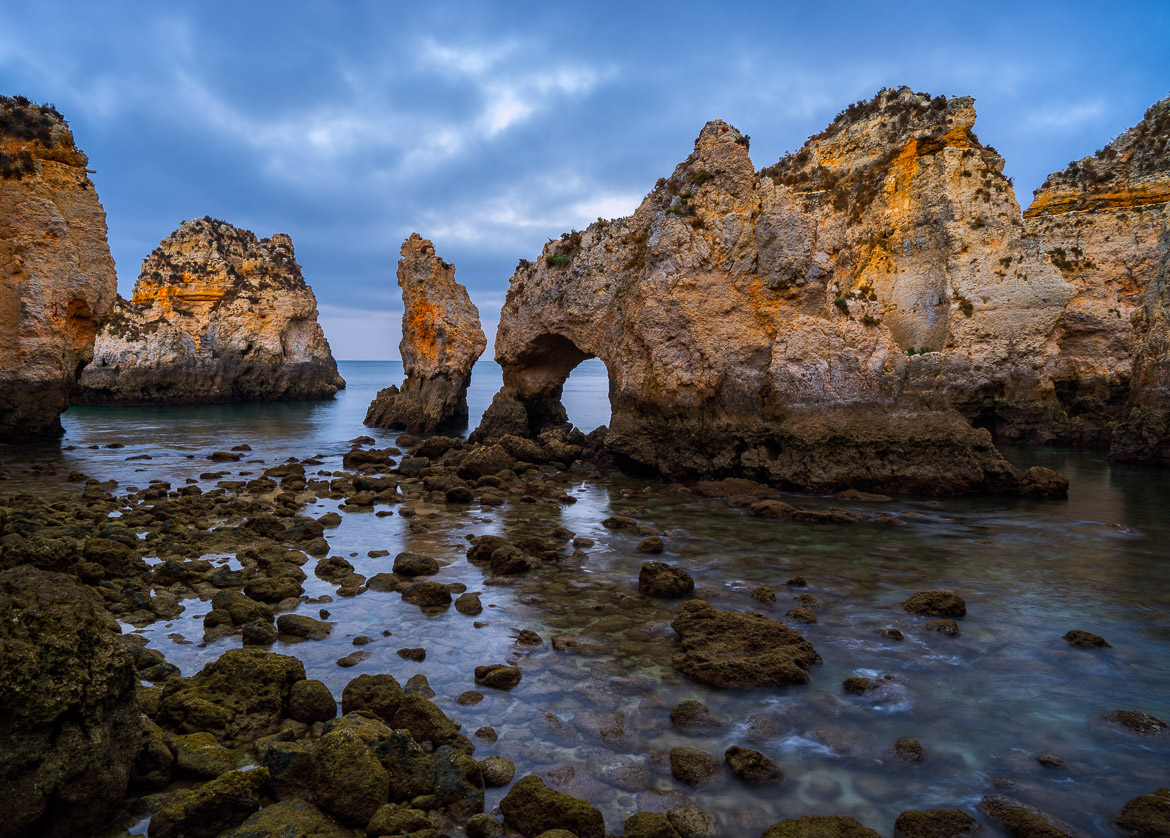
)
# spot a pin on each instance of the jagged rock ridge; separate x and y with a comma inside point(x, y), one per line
point(217, 315)
point(57, 280)
point(808, 325)
point(441, 341)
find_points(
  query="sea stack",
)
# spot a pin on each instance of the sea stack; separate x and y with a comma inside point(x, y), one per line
point(217, 315)
point(810, 325)
point(1105, 223)
point(441, 341)
point(57, 280)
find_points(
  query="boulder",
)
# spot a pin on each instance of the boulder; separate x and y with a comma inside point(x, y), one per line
point(1020, 820)
point(210, 809)
point(752, 767)
point(349, 781)
point(289, 819)
point(729, 650)
point(942, 604)
point(659, 579)
point(1146, 816)
point(693, 766)
point(531, 808)
point(935, 823)
point(310, 701)
point(70, 729)
point(819, 826)
point(379, 694)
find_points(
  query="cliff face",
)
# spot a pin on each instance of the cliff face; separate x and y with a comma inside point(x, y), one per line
point(1105, 224)
point(808, 325)
point(441, 341)
point(217, 315)
point(57, 280)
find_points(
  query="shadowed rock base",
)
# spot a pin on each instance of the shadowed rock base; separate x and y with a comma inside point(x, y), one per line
point(421, 406)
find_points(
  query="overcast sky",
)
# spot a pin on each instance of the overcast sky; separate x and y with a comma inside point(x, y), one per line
point(492, 128)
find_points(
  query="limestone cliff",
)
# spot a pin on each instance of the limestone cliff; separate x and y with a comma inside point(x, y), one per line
point(217, 315)
point(808, 325)
point(1105, 223)
point(57, 280)
point(441, 341)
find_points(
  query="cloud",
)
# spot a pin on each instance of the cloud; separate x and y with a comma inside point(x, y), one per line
point(1065, 117)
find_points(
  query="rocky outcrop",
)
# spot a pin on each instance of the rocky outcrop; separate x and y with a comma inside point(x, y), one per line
point(57, 281)
point(217, 315)
point(1104, 224)
point(441, 341)
point(70, 728)
point(809, 325)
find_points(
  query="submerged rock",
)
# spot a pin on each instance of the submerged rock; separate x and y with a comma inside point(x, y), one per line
point(729, 650)
point(70, 726)
point(57, 281)
point(217, 315)
point(441, 341)
point(693, 766)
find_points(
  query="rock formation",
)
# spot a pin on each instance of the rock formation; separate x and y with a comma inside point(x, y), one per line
point(57, 280)
point(441, 341)
point(1105, 224)
point(217, 315)
point(809, 325)
point(70, 728)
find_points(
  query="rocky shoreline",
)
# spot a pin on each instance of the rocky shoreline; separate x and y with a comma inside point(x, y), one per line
point(248, 746)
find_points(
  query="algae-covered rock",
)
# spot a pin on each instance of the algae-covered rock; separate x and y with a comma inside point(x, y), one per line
point(725, 649)
point(497, 771)
point(155, 763)
point(497, 676)
point(649, 825)
point(1146, 816)
point(349, 781)
point(751, 766)
point(410, 770)
point(241, 695)
point(427, 723)
point(289, 819)
point(692, 765)
point(392, 819)
point(942, 604)
point(70, 727)
point(1019, 820)
point(658, 579)
point(310, 701)
point(691, 822)
point(531, 807)
point(201, 755)
point(459, 783)
point(210, 809)
point(935, 823)
point(380, 694)
point(819, 826)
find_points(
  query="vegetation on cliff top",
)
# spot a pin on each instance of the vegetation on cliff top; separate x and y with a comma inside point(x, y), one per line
point(23, 120)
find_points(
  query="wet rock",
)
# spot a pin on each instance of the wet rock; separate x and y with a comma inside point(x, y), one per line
point(418, 685)
point(763, 594)
point(910, 750)
point(258, 633)
point(797, 582)
point(289, 819)
point(378, 694)
point(70, 728)
point(483, 826)
point(392, 819)
point(935, 823)
point(801, 614)
point(383, 582)
point(273, 589)
point(349, 781)
point(497, 676)
point(1142, 723)
point(497, 771)
point(752, 767)
point(1085, 640)
point(310, 701)
point(945, 627)
point(691, 822)
point(1049, 760)
point(658, 579)
point(298, 625)
point(692, 765)
point(154, 765)
point(509, 560)
point(211, 808)
point(890, 634)
point(942, 604)
point(241, 609)
point(241, 695)
point(819, 826)
point(412, 564)
point(1020, 820)
point(532, 808)
point(1146, 816)
point(201, 755)
point(469, 698)
point(427, 723)
point(648, 825)
point(413, 654)
point(858, 496)
point(427, 595)
point(695, 715)
point(459, 783)
point(527, 637)
point(729, 650)
point(353, 658)
point(651, 544)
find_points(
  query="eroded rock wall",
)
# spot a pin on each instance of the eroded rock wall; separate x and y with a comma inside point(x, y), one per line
point(217, 315)
point(810, 324)
point(441, 341)
point(57, 280)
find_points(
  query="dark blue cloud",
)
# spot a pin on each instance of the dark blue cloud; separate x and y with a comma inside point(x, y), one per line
point(491, 128)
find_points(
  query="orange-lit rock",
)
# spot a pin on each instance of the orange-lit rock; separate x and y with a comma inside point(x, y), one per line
point(57, 280)
point(217, 315)
point(441, 341)
point(809, 325)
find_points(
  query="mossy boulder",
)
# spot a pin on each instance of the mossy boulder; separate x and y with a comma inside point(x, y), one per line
point(732, 650)
point(427, 723)
point(392, 819)
point(349, 781)
point(935, 823)
point(819, 826)
point(210, 809)
point(289, 819)
point(201, 755)
point(692, 765)
point(1020, 820)
point(649, 825)
point(458, 783)
point(70, 728)
point(379, 694)
point(530, 807)
point(942, 604)
point(241, 695)
point(310, 701)
point(1146, 816)
point(155, 763)
point(658, 579)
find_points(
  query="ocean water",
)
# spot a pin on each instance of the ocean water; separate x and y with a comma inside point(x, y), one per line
point(596, 721)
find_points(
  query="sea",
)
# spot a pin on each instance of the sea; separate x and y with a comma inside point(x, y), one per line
point(595, 721)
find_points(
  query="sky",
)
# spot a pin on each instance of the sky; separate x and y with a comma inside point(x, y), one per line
point(490, 128)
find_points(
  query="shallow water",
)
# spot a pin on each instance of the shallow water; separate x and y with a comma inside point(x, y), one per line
point(983, 704)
